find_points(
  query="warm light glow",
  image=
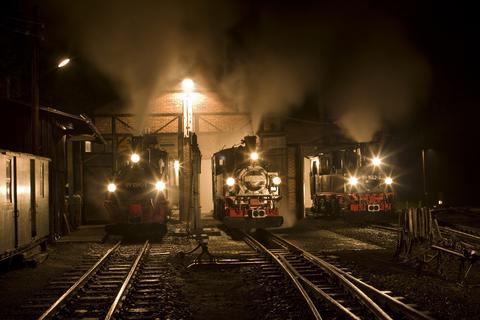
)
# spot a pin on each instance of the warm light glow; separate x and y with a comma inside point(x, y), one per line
point(160, 185)
point(276, 181)
point(135, 158)
point(176, 167)
point(353, 181)
point(111, 187)
point(187, 85)
point(63, 63)
point(388, 181)
point(376, 161)
point(440, 202)
point(254, 156)
point(230, 181)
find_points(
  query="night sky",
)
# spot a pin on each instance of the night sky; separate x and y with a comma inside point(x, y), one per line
point(406, 67)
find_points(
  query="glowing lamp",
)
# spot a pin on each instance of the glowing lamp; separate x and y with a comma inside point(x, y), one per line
point(388, 181)
point(111, 187)
point(135, 158)
point(376, 161)
point(353, 181)
point(160, 185)
point(254, 156)
point(276, 181)
point(63, 63)
point(230, 181)
point(187, 85)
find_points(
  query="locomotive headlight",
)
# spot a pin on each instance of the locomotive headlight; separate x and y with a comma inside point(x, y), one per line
point(376, 161)
point(160, 185)
point(111, 187)
point(276, 181)
point(230, 181)
point(254, 156)
point(353, 181)
point(388, 181)
point(135, 158)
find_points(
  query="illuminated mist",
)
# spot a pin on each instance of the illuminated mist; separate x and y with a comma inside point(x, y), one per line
point(260, 57)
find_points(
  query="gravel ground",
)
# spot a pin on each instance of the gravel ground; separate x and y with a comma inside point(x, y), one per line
point(368, 253)
point(19, 283)
point(237, 292)
point(202, 293)
point(244, 293)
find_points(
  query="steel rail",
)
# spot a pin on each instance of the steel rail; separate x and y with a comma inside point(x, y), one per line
point(460, 233)
point(252, 242)
point(50, 312)
point(393, 303)
point(319, 292)
point(384, 298)
point(345, 283)
point(126, 282)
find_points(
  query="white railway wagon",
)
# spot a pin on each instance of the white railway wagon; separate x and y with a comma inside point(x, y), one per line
point(24, 202)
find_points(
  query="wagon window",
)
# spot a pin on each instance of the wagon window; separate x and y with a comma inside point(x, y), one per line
point(8, 180)
point(42, 180)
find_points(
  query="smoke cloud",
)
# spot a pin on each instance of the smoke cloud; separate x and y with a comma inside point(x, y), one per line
point(265, 58)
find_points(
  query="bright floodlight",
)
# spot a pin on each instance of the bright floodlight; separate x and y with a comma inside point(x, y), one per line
point(135, 158)
point(353, 181)
point(388, 181)
point(376, 161)
point(187, 85)
point(230, 181)
point(160, 185)
point(111, 187)
point(176, 165)
point(276, 181)
point(63, 63)
point(254, 156)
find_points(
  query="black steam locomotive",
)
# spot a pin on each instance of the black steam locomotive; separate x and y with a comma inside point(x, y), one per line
point(349, 179)
point(245, 193)
point(137, 195)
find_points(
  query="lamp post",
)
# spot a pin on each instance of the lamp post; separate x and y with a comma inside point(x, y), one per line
point(188, 87)
point(35, 114)
point(190, 157)
point(184, 128)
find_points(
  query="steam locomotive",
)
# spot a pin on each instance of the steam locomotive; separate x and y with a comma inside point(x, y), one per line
point(137, 199)
point(349, 180)
point(245, 193)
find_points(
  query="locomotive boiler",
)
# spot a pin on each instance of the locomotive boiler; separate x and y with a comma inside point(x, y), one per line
point(246, 193)
point(137, 199)
point(350, 179)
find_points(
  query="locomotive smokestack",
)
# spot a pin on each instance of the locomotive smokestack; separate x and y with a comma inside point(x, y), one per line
point(250, 143)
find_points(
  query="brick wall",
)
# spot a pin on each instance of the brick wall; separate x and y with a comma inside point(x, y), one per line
point(202, 102)
point(210, 115)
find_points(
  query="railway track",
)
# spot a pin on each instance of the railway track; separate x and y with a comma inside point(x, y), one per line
point(328, 291)
point(124, 283)
point(469, 234)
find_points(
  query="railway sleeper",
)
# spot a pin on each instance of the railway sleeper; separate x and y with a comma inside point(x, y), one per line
point(96, 298)
point(135, 296)
point(149, 289)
